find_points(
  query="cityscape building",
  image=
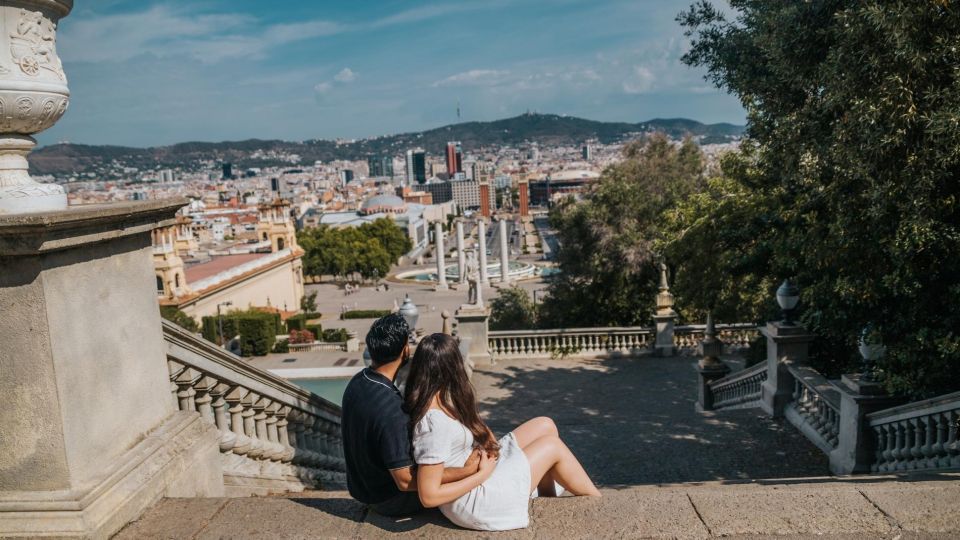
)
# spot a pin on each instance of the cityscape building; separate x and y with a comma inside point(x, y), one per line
point(416, 166)
point(380, 166)
point(454, 158)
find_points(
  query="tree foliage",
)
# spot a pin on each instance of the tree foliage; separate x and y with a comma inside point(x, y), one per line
point(369, 250)
point(848, 179)
point(179, 318)
point(512, 309)
point(609, 241)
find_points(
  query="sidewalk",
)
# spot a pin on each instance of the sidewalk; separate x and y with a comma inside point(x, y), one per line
point(878, 507)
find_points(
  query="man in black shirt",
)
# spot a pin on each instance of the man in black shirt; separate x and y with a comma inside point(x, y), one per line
point(376, 430)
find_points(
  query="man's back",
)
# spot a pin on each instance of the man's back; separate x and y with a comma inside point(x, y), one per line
point(375, 433)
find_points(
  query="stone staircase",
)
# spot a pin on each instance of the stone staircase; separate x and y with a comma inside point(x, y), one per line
point(867, 507)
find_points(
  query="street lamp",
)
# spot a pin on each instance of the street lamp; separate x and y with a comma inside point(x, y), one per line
point(220, 320)
point(788, 295)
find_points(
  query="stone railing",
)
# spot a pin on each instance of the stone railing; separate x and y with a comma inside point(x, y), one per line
point(814, 408)
point(274, 436)
point(319, 346)
point(739, 390)
point(577, 342)
point(921, 435)
point(734, 336)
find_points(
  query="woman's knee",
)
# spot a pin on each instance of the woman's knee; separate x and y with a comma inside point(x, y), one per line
point(546, 426)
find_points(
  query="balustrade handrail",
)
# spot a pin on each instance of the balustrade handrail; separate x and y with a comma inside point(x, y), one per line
point(571, 331)
point(186, 348)
point(934, 405)
point(718, 326)
point(739, 375)
point(818, 384)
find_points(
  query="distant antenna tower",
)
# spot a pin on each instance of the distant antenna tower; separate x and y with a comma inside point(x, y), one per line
point(458, 109)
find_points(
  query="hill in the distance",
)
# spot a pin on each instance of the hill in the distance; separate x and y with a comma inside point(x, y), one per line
point(545, 129)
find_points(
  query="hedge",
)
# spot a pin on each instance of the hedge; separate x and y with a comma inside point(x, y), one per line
point(334, 335)
point(365, 314)
point(257, 330)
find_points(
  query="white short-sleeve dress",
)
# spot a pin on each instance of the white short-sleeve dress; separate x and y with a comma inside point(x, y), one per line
point(500, 503)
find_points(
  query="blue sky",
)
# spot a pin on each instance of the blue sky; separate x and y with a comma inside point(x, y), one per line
point(146, 72)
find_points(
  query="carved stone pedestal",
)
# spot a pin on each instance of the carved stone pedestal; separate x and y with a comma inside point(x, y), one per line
point(89, 436)
point(858, 398)
point(472, 326)
point(786, 344)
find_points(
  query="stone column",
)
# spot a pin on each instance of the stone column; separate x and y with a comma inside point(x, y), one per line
point(88, 413)
point(34, 94)
point(710, 368)
point(665, 317)
point(504, 253)
point(786, 344)
point(461, 256)
point(858, 398)
point(438, 252)
point(482, 228)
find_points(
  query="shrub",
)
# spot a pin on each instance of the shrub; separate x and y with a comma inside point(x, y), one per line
point(301, 336)
point(365, 314)
point(337, 335)
point(282, 346)
point(315, 329)
point(297, 322)
point(179, 318)
point(257, 330)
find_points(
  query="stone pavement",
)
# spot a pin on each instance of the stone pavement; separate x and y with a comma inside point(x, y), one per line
point(908, 507)
point(664, 469)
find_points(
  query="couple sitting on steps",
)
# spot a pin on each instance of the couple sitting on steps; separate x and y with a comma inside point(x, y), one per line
point(429, 447)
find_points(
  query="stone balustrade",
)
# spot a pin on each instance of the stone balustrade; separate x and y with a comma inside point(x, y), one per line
point(319, 346)
point(815, 407)
point(739, 390)
point(734, 336)
point(920, 435)
point(577, 342)
point(274, 436)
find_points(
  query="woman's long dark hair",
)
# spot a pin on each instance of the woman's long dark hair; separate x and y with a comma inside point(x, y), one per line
point(437, 368)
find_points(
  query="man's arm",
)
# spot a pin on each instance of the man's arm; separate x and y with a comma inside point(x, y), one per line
point(406, 480)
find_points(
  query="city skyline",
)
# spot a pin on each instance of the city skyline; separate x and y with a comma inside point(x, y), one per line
point(146, 74)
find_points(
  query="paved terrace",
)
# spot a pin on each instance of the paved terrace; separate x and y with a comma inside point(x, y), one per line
point(665, 471)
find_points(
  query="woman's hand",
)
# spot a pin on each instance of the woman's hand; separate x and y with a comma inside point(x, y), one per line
point(487, 464)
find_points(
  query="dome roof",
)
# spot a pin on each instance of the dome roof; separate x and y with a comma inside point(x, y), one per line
point(383, 203)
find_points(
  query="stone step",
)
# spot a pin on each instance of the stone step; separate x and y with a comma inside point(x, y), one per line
point(866, 507)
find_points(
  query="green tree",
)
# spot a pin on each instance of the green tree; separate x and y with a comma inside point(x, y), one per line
point(391, 237)
point(608, 243)
point(512, 309)
point(179, 318)
point(854, 149)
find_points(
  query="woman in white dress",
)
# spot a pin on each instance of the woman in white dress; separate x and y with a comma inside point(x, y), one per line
point(446, 427)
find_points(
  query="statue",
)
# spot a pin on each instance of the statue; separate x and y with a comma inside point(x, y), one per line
point(474, 296)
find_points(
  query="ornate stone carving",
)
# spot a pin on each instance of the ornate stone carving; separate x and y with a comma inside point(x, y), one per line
point(33, 97)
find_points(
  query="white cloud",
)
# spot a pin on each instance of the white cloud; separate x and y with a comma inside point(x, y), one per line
point(641, 81)
point(475, 77)
point(346, 75)
point(322, 88)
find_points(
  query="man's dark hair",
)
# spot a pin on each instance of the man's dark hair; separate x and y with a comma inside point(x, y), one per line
point(386, 339)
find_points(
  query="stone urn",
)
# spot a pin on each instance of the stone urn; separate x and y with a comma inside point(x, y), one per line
point(33, 96)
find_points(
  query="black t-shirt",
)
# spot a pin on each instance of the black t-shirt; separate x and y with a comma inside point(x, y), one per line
point(376, 436)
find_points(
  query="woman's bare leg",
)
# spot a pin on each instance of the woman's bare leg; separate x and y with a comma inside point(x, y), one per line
point(549, 454)
point(533, 429)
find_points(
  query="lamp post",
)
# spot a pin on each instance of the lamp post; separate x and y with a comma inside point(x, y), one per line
point(788, 295)
point(220, 320)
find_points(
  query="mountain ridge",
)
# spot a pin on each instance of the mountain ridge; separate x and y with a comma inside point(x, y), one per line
point(544, 129)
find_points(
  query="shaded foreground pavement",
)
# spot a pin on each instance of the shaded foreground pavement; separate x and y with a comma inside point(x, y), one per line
point(665, 471)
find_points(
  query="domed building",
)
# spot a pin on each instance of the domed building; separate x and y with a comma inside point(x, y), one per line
point(384, 203)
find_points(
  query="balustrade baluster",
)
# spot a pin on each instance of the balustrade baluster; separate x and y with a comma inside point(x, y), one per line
point(185, 392)
point(880, 436)
point(202, 399)
point(890, 447)
point(250, 425)
point(926, 451)
point(174, 368)
point(235, 399)
point(227, 438)
point(953, 439)
point(918, 438)
point(940, 441)
point(273, 438)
